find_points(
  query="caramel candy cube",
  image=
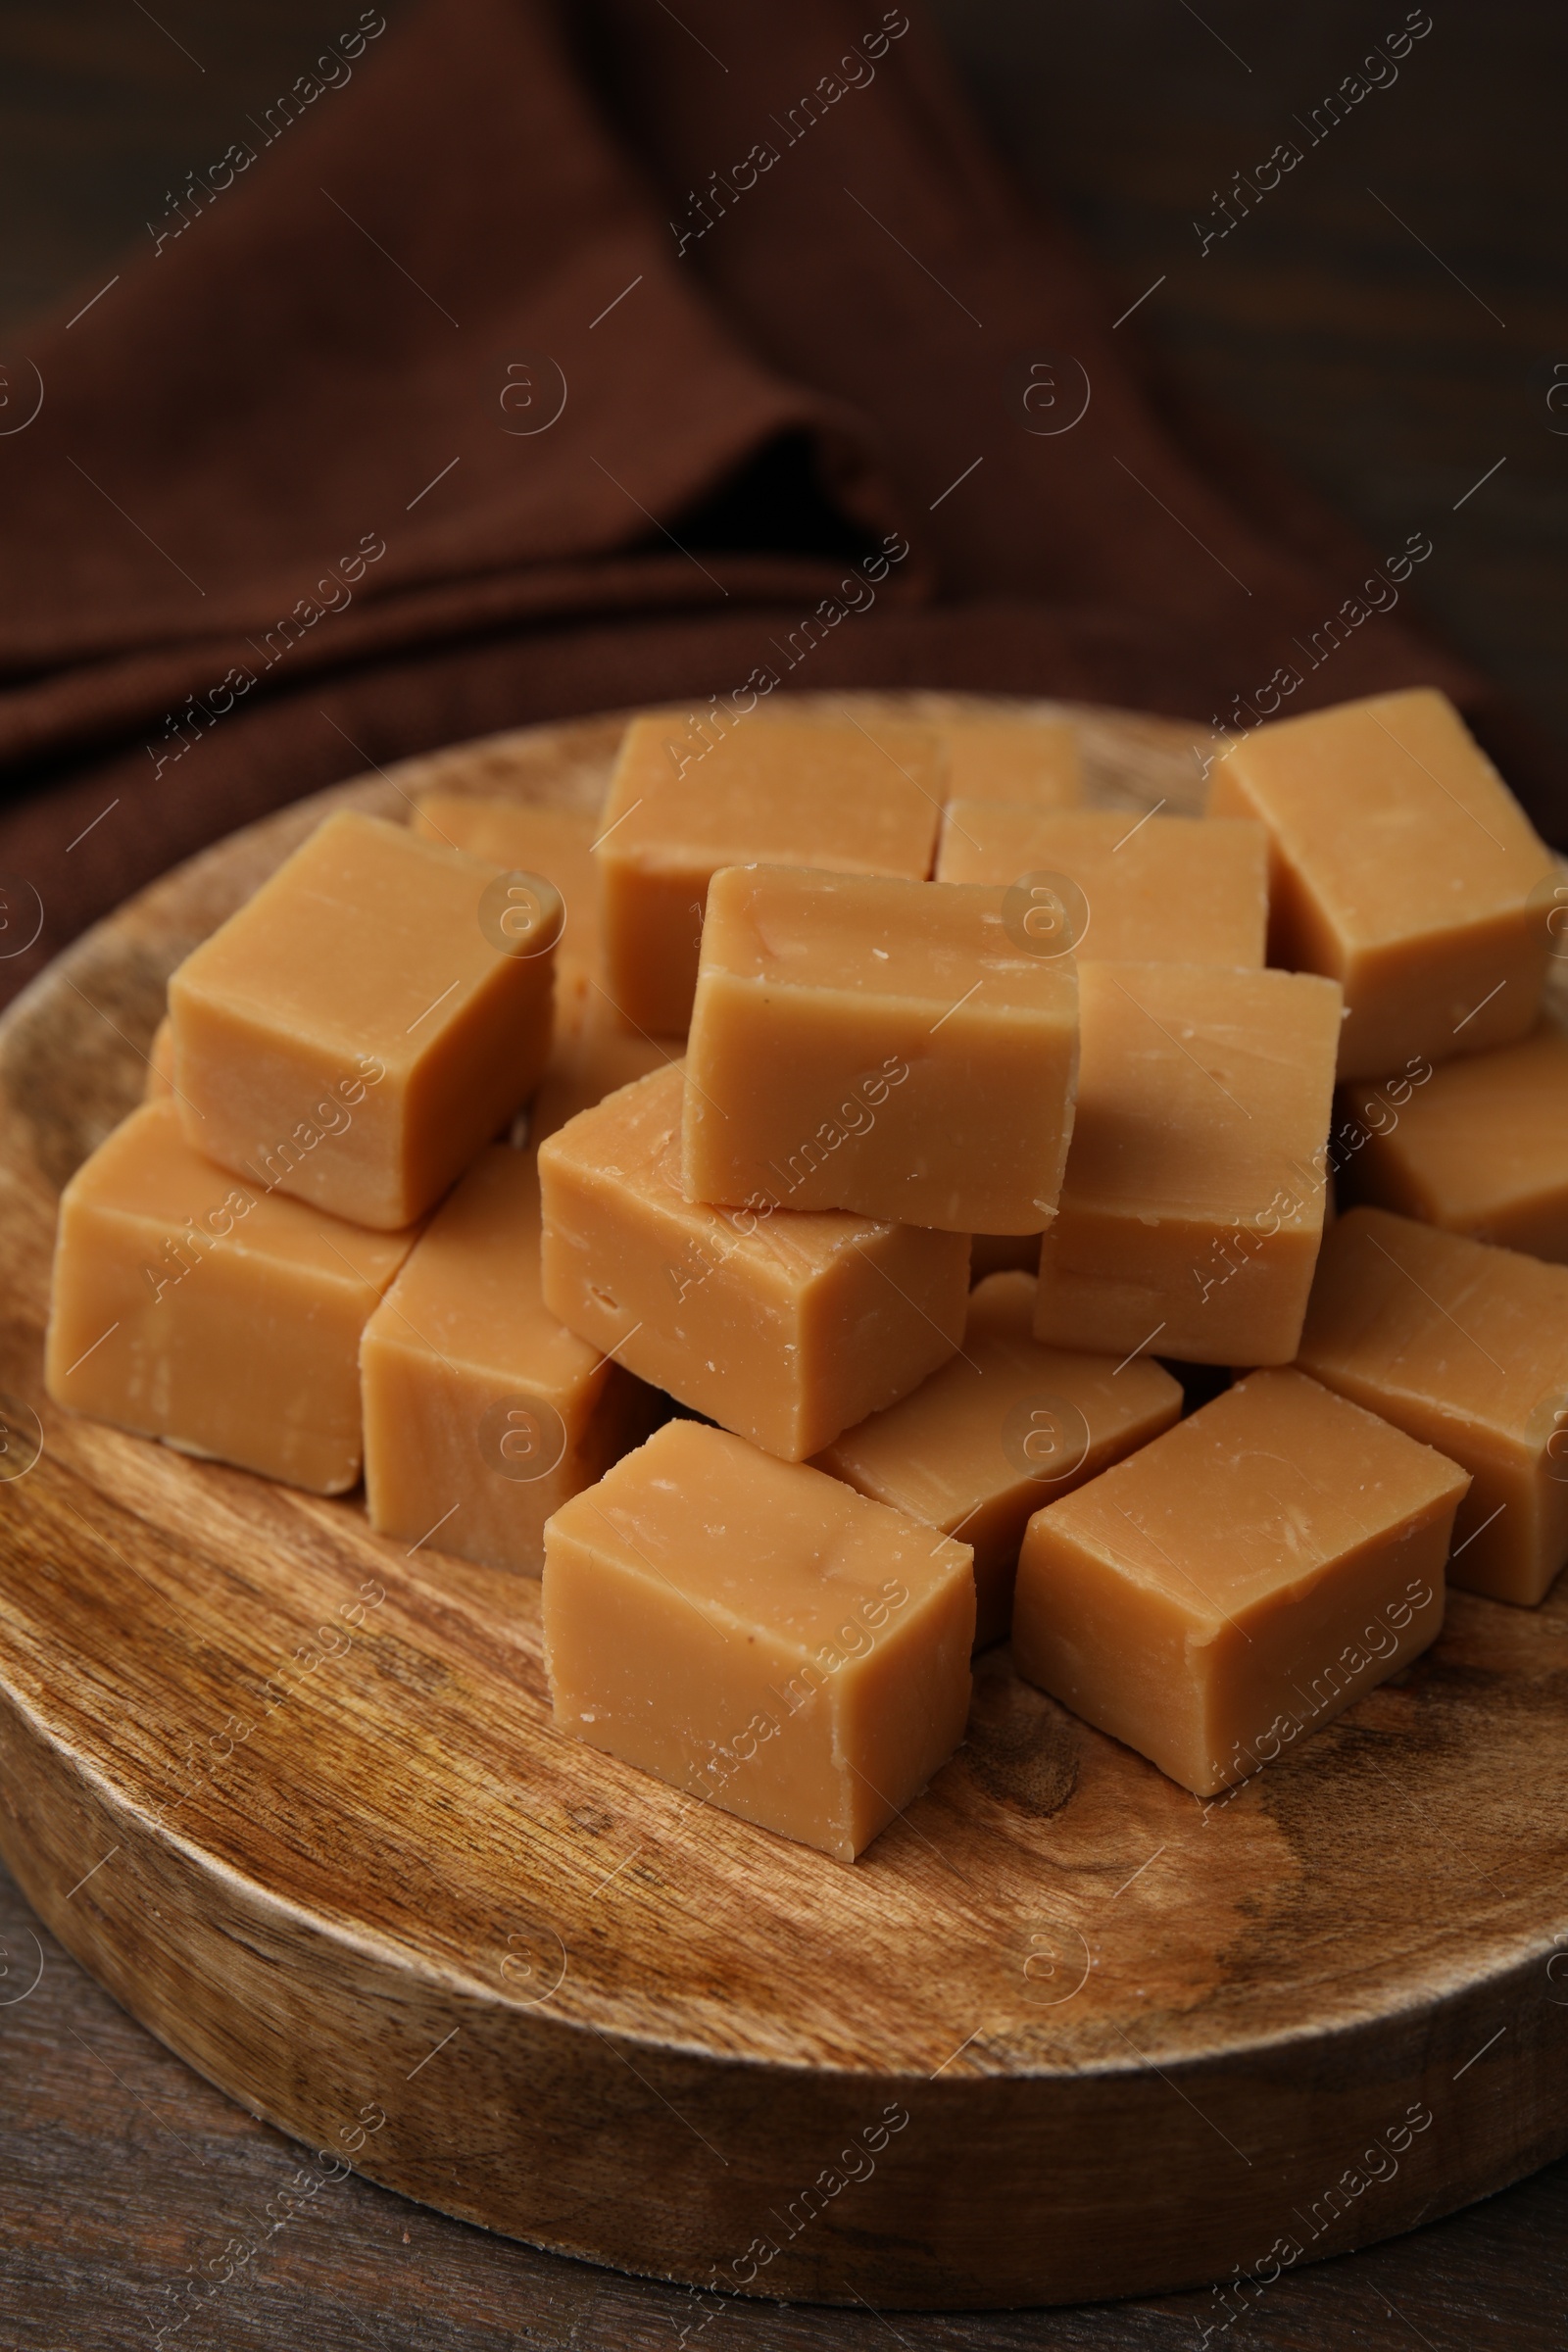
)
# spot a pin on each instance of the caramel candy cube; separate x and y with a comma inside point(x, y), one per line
point(526, 837)
point(1193, 1204)
point(1003, 1427)
point(593, 1056)
point(215, 1315)
point(1481, 1148)
point(482, 1412)
point(793, 792)
point(1034, 762)
point(783, 1326)
point(1466, 1347)
point(757, 1635)
point(1241, 1581)
point(1150, 890)
point(891, 1048)
point(365, 1023)
point(160, 1083)
point(1002, 1253)
point(1402, 867)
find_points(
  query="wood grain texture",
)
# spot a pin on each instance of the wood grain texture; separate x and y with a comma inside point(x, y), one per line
point(137, 2194)
point(375, 1882)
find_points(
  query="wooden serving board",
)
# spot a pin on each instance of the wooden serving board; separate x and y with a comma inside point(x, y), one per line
point(294, 1795)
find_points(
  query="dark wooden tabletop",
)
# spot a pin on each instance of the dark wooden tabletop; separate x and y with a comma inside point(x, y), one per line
point(1389, 323)
point(1389, 317)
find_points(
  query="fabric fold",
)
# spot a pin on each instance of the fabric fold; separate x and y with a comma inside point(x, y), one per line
point(442, 317)
point(575, 354)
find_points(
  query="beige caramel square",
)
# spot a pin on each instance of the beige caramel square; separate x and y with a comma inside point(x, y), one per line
point(1034, 762)
point(782, 1326)
point(1148, 890)
point(1002, 1428)
point(364, 1023)
point(895, 1049)
point(1466, 1347)
point(1239, 1582)
point(594, 1052)
point(1002, 1253)
point(160, 1080)
point(759, 1635)
point(858, 800)
point(1402, 867)
point(1480, 1148)
point(529, 837)
point(482, 1412)
point(1193, 1204)
point(214, 1315)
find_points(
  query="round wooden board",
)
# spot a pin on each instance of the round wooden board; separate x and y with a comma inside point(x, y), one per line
point(1061, 2034)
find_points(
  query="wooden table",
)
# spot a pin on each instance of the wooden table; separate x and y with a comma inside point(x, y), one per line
point(1387, 319)
point(120, 2172)
point(1342, 334)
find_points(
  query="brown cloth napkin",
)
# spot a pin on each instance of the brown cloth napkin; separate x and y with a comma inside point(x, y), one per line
point(534, 360)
